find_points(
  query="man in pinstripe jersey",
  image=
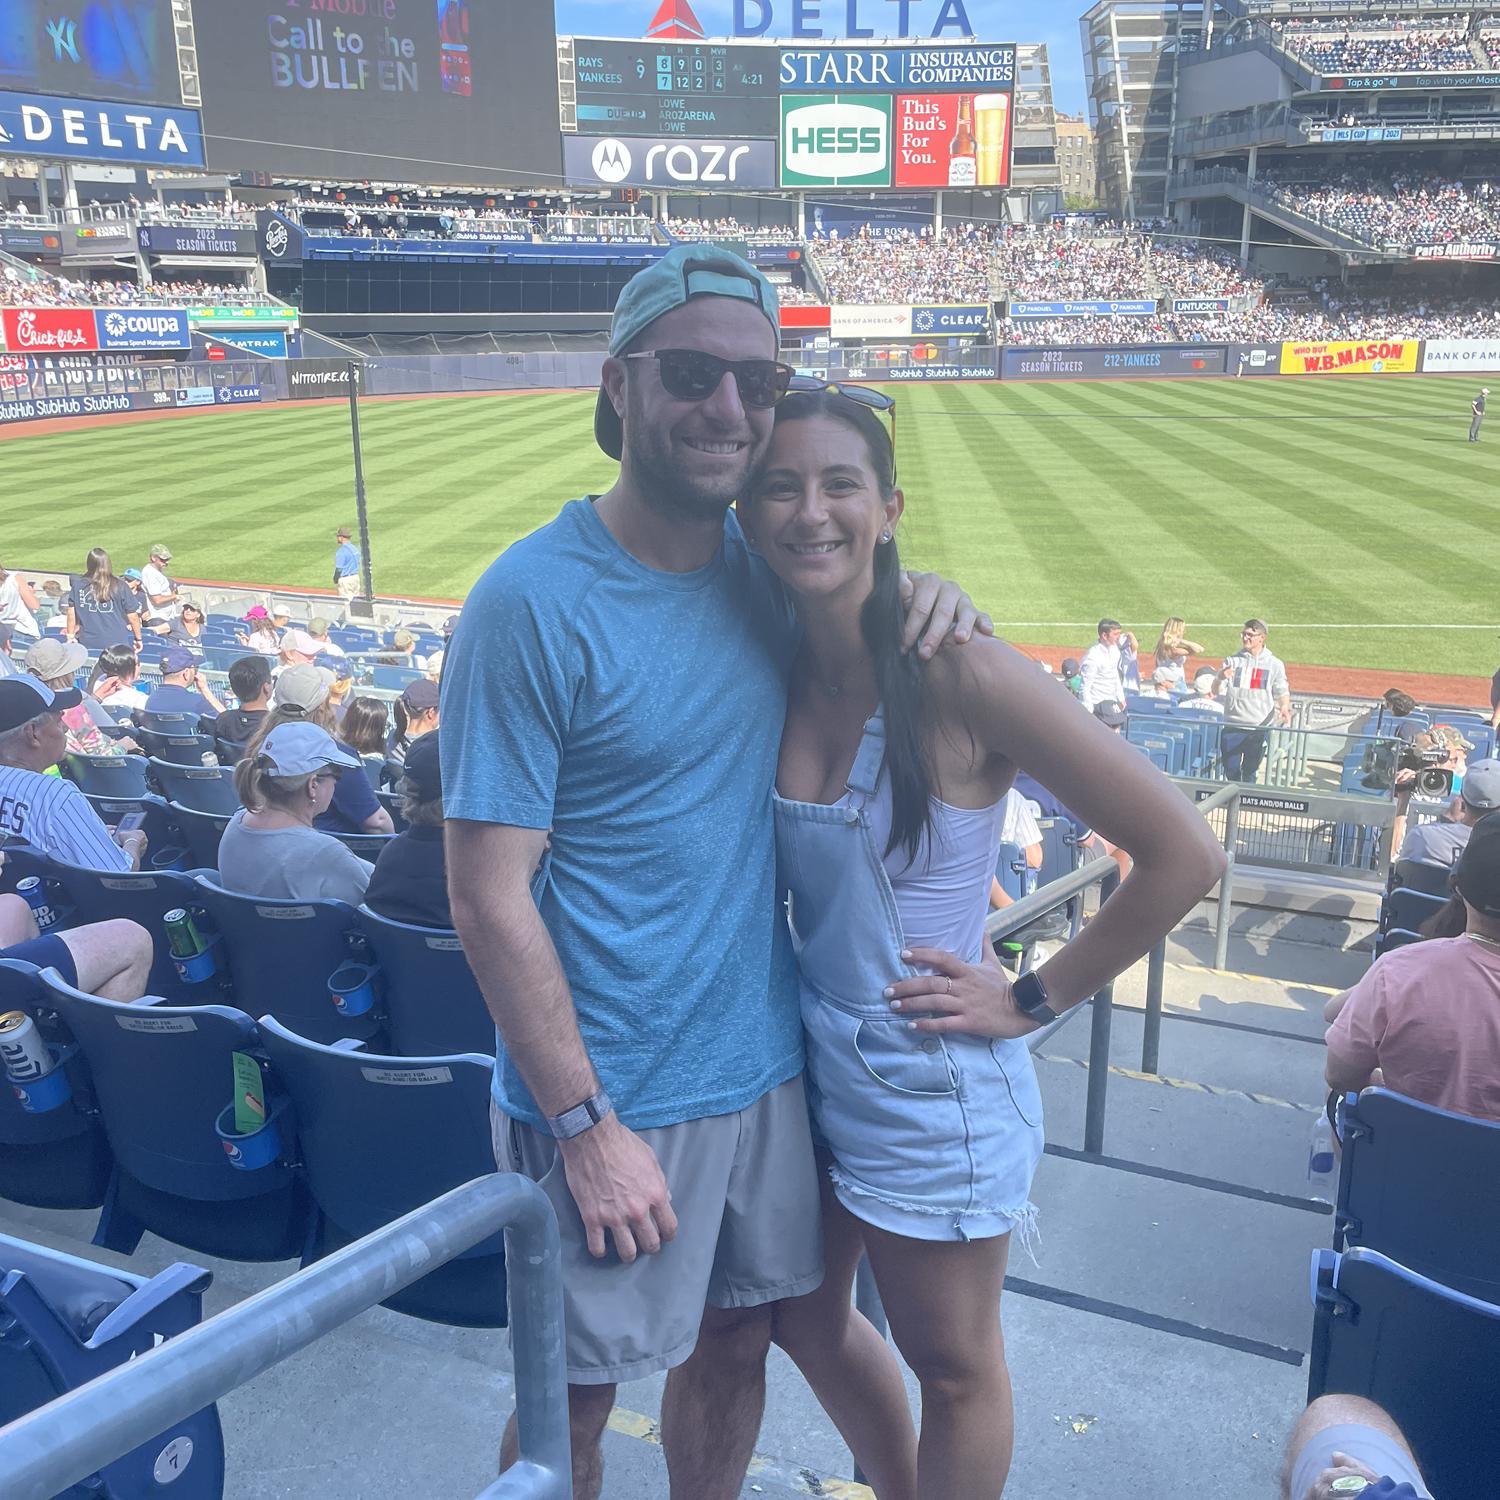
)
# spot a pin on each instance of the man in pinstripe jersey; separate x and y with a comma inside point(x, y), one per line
point(45, 811)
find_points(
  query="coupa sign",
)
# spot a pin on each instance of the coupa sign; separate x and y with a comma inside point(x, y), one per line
point(669, 163)
point(835, 140)
point(92, 130)
point(157, 328)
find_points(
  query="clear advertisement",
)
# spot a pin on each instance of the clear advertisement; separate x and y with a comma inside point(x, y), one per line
point(1118, 362)
point(951, 319)
point(970, 65)
point(1455, 356)
point(665, 163)
point(93, 130)
point(953, 140)
point(836, 140)
point(1345, 357)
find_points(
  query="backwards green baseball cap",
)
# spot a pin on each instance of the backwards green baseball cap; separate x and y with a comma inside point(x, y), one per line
point(684, 272)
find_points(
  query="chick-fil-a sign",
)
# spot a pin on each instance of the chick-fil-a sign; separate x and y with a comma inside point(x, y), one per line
point(49, 330)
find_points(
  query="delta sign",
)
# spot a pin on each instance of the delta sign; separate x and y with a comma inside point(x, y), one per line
point(802, 20)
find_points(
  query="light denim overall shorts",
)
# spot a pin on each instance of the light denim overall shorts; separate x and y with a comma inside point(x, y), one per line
point(933, 1137)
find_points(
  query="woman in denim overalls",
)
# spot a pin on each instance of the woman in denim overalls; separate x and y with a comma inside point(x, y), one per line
point(888, 825)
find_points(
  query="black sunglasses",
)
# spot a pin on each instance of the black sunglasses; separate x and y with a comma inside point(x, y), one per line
point(861, 395)
point(692, 375)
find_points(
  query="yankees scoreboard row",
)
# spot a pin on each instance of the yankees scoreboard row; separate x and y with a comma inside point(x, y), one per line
point(750, 115)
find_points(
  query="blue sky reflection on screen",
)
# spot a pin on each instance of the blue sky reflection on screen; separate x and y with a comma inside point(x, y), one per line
point(1054, 22)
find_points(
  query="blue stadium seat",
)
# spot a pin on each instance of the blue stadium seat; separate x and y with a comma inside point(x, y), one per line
point(1012, 871)
point(58, 1158)
point(208, 789)
point(161, 835)
point(1397, 937)
point(107, 775)
point(1418, 1349)
point(395, 677)
point(1417, 875)
point(183, 747)
point(281, 955)
point(1407, 1187)
point(381, 1136)
point(66, 1321)
point(432, 1000)
point(162, 1076)
point(1147, 703)
point(366, 845)
point(200, 833)
point(144, 896)
point(1408, 909)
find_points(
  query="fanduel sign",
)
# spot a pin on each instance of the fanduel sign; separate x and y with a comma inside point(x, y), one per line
point(92, 130)
point(661, 163)
point(816, 19)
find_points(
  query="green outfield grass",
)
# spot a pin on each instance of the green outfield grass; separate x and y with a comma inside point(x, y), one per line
point(1353, 502)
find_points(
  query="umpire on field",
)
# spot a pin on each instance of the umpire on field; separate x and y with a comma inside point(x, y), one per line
point(1476, 406)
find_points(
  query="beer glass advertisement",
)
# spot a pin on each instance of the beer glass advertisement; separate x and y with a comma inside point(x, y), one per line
point(952, 140)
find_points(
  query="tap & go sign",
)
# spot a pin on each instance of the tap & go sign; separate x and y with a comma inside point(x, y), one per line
point(836, 140)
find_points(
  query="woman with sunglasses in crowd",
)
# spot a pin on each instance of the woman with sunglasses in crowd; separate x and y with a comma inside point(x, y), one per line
point(187, 628)
point(891, 778)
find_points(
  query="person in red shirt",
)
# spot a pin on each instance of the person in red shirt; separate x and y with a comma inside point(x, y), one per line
point(1425, 1019)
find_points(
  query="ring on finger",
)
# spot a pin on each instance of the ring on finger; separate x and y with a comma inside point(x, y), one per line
point(950, 984)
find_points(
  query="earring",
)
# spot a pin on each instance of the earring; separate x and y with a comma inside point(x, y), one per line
point(885, 535)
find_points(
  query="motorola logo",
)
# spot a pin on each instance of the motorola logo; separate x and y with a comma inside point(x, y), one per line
point(611, 161)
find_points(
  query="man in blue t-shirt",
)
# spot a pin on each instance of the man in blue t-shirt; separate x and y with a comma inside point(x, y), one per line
point(182, 690)
point(619, 678)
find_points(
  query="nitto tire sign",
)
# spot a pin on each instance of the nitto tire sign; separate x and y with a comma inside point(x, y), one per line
point(835, 140)
point(613, 161)
point(317, 379)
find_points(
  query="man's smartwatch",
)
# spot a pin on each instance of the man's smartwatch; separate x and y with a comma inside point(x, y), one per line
point(1030, 995)
point(573, 1122)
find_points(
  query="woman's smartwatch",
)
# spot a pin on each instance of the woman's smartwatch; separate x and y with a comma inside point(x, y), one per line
point(1030, 995)
point(573, 1122)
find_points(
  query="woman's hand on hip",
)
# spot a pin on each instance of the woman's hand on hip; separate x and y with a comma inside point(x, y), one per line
point(958, 996)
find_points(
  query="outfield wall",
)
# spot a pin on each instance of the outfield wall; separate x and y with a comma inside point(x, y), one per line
point(30, 394)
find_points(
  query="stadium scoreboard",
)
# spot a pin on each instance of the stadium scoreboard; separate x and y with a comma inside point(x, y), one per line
point(613, 88)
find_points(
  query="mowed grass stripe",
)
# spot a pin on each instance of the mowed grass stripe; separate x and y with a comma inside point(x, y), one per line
point(1347, 500)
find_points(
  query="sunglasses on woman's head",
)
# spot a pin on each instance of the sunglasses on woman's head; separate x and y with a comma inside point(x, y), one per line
point(693, 375)
point(861, 395)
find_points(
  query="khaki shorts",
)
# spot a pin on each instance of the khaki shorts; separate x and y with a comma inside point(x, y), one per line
point(348, 586)
point(745, 1191)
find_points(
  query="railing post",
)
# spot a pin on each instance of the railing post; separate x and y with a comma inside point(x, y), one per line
point(1156, 973)
point(1101, 1023)
point(1226, 882)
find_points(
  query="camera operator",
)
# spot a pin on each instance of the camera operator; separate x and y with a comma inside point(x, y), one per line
point(1443, 840)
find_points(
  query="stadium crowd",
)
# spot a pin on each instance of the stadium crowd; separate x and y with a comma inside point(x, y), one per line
point(1428, 49)
point(39, 290)
point(1394, 208)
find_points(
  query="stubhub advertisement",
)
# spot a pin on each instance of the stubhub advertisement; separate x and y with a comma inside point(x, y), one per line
point(143, 328)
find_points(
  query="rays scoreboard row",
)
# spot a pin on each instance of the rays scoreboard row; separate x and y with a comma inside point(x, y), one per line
point(735, 90)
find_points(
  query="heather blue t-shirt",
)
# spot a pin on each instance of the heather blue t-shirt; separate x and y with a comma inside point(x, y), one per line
point(637, 714)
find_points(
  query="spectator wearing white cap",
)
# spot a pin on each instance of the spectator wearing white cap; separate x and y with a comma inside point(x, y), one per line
point(298, 649)
point(1204, 698)
point(47, 812)
point(270, 847)
point(17, 601)
point(161, 601)
point(183, 690)
point(57, 664)
point(303, 695)
point(1443, 840)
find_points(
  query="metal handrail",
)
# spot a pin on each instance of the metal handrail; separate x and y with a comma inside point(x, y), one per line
point(60, 1444)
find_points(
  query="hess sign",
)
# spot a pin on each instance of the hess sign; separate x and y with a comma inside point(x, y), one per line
point(835, 141)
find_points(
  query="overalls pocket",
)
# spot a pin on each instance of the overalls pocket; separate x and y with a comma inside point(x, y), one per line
point(1020, 1077)
point(904, 1060)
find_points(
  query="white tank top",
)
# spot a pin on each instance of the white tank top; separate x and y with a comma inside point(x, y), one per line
point(943, 894)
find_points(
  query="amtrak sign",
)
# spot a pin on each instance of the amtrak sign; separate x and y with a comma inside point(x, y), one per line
point(49, 126)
